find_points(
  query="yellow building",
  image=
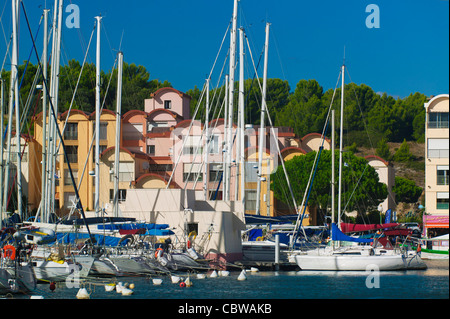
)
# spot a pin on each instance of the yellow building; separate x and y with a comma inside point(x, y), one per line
point(437, 165)
point(80, 147)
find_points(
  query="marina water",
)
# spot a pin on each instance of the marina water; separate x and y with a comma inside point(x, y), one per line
point(432, 283)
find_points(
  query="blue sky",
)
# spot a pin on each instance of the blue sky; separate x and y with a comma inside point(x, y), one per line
point(177, 40)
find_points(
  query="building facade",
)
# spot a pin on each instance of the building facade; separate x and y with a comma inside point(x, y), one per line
point(435, 220)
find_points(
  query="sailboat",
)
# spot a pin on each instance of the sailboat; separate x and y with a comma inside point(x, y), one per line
point(350, 257)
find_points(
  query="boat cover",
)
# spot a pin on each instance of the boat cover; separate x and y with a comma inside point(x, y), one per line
point(337, 235)
point(348, 228)
point(70, 238)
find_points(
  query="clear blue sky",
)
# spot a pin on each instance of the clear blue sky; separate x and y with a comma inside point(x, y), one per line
point(177, 40)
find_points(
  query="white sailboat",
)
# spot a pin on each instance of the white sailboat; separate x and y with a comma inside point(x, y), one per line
point(353, 257)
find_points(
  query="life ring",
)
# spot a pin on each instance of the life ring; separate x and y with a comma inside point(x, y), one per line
point(158, 252)
point(192, 235)
point(9, 251)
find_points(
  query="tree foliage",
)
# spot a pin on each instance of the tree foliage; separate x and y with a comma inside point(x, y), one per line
point(406, 190)
point(361, 189)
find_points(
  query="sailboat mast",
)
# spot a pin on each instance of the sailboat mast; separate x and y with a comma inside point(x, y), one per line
point(97, 121)
point(229, 128)
point(241, 125)
point(44, 212)
point(118, 121)
point(333, 186)
point(341, 138)
point(12, 96)
point(262, 134)
point(207, 138)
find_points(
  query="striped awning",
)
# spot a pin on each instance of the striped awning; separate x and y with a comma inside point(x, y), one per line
point(435, 221)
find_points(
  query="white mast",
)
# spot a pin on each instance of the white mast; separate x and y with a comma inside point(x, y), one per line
point(332, 168)
point(241, 117)
point(117, 145)
point(54, 85)
point(229, 144)
point(341, 146)
point(225, 180)
point(2, 105)
point(97, 121)
point(206, 149)
point(262, 134)
point(44, 212)
point(12, 99)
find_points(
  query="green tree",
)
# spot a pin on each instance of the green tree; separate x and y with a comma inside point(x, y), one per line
point(362, 190)
point(406, 190)
point(403, 154)
point(383, 150)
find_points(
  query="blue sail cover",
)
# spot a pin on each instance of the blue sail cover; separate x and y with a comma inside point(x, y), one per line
point(70, 238)
point(336, 234)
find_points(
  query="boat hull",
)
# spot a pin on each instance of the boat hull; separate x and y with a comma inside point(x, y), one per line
point(21, 283)
point(350, 262)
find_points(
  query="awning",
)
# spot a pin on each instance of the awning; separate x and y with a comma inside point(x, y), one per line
point(435, 221)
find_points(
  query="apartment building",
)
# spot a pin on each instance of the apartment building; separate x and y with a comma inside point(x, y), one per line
point(436, 221)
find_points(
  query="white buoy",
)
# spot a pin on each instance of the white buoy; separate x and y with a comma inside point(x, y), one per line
point(36, 297)
point(201, 276)
point(175, 279)
point(242, 275)
point(119, 287)
point(83, 294)
point(224, 273)
point(126, 292)
point(110, 287)
point(213, 274)
point(157, 281)
point(254, 269)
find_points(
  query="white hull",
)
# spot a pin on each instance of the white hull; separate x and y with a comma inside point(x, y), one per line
point(350, 262)
point(46, 270)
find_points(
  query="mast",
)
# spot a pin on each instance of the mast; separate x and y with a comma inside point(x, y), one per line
point(341, 147)
point(97, 120)
point(12, 96)
point(262, 134)
point(332, 169)
point(2, 105)
point(241, 124)
point(229, 147)
point(207, 138)
point(54, 85)
point(44, 212)
point(118, 121)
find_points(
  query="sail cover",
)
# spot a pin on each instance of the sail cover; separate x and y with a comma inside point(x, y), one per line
point(336, 234)
point(348, 228)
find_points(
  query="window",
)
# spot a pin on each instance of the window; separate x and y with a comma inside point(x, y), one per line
point(214, 144)
point(437, 120)
point(132, 131)
point(437, 148)
point(151, 125)
point(442, 201)
point(70, 200)
point(250, 199)
point(72, 153)
point(442, 175)
point(126, 172)
point(122, 194)
point(151, 149)
point(191, 171)
point(167, 104)
point(192, 144)
point(71, 131)
point(68, 180)
point(251, 172)
point(215, 172)
point(103, 130)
